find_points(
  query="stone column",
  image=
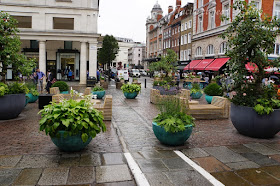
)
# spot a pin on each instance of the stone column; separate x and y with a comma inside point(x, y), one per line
point(93, 59)
point(42, 56)
point(83, 64)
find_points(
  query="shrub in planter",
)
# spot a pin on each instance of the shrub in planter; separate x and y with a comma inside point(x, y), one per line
point(196, 91)
point(32, 95)
point(172, 126)
point(131, 90)
point(63, 87)
point(211, 90)
point(71, 124)
point(99, 91)
point(166, 87)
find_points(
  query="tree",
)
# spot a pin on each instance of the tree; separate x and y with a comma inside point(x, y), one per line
point(10, 46)
point(109, 50)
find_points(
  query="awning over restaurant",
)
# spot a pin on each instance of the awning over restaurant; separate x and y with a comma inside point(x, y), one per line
point(252, 67)
point(192, 64)
point(203, 64)
point(217, 64)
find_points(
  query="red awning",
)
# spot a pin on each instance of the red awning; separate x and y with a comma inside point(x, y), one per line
point(204, 63)
point(192, 64)
point(217, 64)
point(252, 67)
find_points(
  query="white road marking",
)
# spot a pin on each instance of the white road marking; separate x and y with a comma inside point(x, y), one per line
point(199, 169)
point(136, 171)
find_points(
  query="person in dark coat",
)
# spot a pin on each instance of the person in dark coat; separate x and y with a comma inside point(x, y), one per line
point(49, 81)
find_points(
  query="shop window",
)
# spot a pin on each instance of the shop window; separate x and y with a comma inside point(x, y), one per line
point(34, 44)
point(24, 21)
point(68, 45)
point(63, 23)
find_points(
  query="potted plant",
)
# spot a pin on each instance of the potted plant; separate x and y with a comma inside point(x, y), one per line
point(172, 126)
point(99, 91)
point(32, 95)
point(122, 80)
point(255, 110)
point(102, 79)
point(213, 89)
point(71, 124)
point(63, 87)
point(12, 100)
point(131, 90)
point(135, 80)
point(196, 91)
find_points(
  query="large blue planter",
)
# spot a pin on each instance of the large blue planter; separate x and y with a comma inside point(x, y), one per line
point(70, 143)
point(32, 98)
point(208, 98)
point(130, 95)
point(172, 139)
point(64, 92)
point(196, 95)
point(100, 94)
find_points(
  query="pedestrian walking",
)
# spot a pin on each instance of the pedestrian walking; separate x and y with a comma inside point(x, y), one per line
point(70, 73)
point(49, 81)
point(177, 76)
point(34, 78)
point(40, 76)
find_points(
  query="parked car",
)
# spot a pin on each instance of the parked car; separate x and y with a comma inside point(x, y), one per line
point(143, 72)
point(122, 74)
point(135, 73)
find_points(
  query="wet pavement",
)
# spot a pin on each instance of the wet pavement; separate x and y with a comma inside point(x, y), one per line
point(28, 157)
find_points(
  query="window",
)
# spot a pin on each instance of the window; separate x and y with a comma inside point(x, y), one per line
point(181, 55)
point(200, 3)
point(178, 42)
point(200, 24)
point(175, 30)
point(139, 55)
point(277, 11)
point(186, 26)
point(226, 13)
point(223, 48)
point(190, 24)
point(257, 4)
point(182, 28)
point(198, 51)
point(276, 49)
point(172, 31)
point(34, 44)
point(189, 54)
point(68, 45)
point(186, 38)
point(63, 23)
point(182, 40)
point(210, 50)
point(190, 38)
point(185, 55)
point(24, 21)
point(211, 20)
point(178, 29)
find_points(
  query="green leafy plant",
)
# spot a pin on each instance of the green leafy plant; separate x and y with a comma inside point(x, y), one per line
point(61, 85)
point(130, 88)
point(195, 88)
point(3, 89)
point(34, 92)
point(102, 77)
point(173, 116)
point(74, 117)
point(266, 106)
point(213, 89)
point(17, 88)
point(98, 88)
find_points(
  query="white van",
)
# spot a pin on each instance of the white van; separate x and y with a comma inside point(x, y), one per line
point(135, 73)
point(123, 74)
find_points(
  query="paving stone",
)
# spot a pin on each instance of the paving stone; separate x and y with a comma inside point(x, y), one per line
point(28, 177)
point(92, 159)
point(176, 163)
point(211, 164)
point(242, 165)
point(275, 157)
point(38, 161)
point(158, 179)
point(264, 150)
point(240, 149)
point(195, 153)
point(81, 175)
point(112, 173)
point(137, 155)
point(275, 146)
point(69, 160)
point(260, 159)
point(224, 155)
point(7, 176)
point(230, 178)
point(273, 170)
point(113, 159)
point(187, 177)
point(257, 177)
point(54, 176)
point(152, 154)
point(9, 161)
point(125, 183)
point(168, 153)
point(151, 165)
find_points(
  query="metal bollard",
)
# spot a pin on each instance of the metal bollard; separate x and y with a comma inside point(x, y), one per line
point(145, 83)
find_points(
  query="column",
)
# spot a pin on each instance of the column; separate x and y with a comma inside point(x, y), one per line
point(92, 58)
point(42, 56)
point(83, 63)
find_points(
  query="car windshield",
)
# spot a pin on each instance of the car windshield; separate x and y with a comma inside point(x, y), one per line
point(135, 70)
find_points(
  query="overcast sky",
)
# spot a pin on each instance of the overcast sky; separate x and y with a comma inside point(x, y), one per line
point(127, 18)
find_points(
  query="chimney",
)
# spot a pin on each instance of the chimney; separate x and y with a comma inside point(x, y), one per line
point(170, 9)
point(178, 3)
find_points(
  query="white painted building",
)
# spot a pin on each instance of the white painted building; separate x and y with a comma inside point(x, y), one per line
point(135, 55)
point(61, 34)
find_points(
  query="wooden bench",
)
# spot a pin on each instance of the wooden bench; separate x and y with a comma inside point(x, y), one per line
point(218, 109)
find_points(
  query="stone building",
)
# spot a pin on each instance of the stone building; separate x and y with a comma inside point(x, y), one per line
point(60, 34)
point(135, 56)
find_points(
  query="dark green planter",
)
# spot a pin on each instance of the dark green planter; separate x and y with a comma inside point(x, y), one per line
point(64, 92)
point(208, 98)
point(70, 143)
point(130, 95)
point(172, 139)
point(32, 99)
point(196, 95)
point(100, 94)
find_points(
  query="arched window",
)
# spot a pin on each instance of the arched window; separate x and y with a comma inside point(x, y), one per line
point(223, 48)
point(210, 50)
point(198, 51)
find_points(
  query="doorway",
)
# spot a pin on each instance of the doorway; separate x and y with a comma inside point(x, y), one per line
point(66, 62)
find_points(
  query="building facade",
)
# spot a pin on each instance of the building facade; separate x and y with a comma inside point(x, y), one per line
point(60, 34)
point(135, 56)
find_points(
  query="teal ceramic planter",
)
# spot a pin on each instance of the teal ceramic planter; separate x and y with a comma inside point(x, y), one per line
point(64, 92)
point(100, 94)
point(196, 95)
point(70, 143)
point(208, 98)
point(32, 99)
point(130, 95)
point(173, 139)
